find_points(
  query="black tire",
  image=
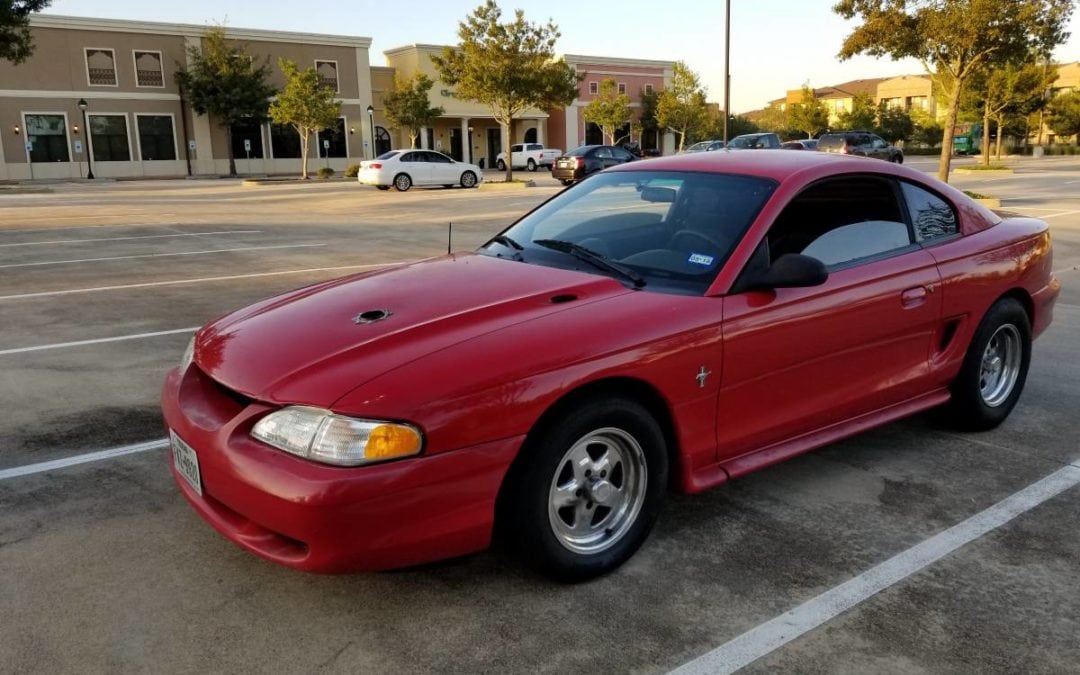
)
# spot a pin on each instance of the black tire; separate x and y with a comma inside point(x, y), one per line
point(567, 182)
point(973, 407)
point(383, 187)
point(402, 182)
point(531, 166)
point(899, 159)
point(468, 179)
point(501, 165)
point(527, 518)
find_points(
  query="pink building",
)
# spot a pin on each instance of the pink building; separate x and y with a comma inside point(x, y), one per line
point(567, 128)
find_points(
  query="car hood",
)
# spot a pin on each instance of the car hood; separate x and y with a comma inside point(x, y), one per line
point(313, 345)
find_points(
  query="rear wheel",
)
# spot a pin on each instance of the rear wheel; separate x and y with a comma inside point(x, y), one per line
point(402, 182)
point(586, 490)
point(995, 368)
point(501, 165)
point(567, 182)
point(531, 165)
point(468, 179)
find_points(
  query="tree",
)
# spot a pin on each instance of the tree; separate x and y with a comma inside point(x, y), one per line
point(863, 113)
point(681, 105)
point(610, 110)
point(739, 125)
point(808, 115)
point(772, 118)
point(305, 104)
point(408, 105)
point(956, 37)
point(894, 124)
point(16, 43)
point(509, 67)
point(1064, 114)
point(999, 91)
point(223, 80)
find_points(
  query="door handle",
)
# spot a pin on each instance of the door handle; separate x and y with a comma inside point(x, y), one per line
point(913, 297)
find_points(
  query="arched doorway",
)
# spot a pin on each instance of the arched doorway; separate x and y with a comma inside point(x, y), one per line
point(382, 141)
point(530, 135)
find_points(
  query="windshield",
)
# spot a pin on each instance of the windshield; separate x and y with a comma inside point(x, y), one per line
point(388, 155)
point(743, 142)
point(696, 147)
point(660, 231)
point(578, 152)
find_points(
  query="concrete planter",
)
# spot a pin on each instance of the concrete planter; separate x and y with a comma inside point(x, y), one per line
point(507, 186)
point(969, 171)
point(990, 202)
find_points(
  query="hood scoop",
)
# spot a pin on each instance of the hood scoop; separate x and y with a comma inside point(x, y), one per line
point(371, 316)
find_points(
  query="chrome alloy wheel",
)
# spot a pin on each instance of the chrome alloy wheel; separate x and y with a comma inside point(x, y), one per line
point(597, 491)
point(1000, 367)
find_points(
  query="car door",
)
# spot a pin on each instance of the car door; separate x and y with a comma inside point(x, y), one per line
point(879, 148)
point(800, 359)
point(415, 164)
point(441, 169)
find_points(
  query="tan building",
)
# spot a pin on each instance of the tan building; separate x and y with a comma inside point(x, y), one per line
point(1068, 80)
point(135, 122)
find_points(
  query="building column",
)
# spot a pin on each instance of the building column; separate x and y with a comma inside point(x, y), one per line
point(423, 138)
point(571, 127)
point(540, 131)
point(504, 133)
point(466, 142)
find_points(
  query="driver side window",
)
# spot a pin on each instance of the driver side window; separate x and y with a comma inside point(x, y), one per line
point(842, 222)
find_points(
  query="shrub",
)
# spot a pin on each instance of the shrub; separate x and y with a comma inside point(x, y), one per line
point(352, 171)
point(324, 172)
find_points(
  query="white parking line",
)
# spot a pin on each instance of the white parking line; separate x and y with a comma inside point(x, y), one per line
point(178, 282)
point(97, 341)
point(1063, 213)
point(41, 467)
point(144, 236)
point(158, 255)
point(771, 635)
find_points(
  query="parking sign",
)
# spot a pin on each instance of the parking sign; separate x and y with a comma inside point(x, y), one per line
point(247, 145)
point(78, 147)
point(326, 144)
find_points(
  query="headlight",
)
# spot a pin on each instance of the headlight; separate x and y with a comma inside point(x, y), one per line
point(189, 355)
point(322, 436)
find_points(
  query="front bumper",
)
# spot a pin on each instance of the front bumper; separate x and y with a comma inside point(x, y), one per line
point(322, 518)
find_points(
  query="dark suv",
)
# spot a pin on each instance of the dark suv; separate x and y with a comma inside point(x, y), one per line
point(860, 143)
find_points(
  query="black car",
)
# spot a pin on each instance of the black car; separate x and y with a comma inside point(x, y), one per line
point(580, 162)
point(860, 143)
point(804, 144)
point(759, 141)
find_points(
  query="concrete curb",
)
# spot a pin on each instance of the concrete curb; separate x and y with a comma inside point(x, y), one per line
point(292, 181)
point(25, 190)
point(508, 186)
point(991, 172)
point(990, 202)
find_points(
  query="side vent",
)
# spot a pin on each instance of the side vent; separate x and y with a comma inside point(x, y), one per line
point(562, 297)
point(948, 332)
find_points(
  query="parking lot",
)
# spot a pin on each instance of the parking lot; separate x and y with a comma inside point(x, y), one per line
point(104, 567)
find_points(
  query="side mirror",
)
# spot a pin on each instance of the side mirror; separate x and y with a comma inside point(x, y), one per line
point(791, 270)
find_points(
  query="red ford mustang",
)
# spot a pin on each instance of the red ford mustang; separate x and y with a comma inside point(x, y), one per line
point(670, 323)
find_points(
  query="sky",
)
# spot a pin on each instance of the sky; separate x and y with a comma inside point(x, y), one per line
point(776, 45)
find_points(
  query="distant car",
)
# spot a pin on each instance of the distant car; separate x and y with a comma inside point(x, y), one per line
point(403, 169)
point(763, 141)
point(860, 144)
point(588, 159)
point(805, 144)
point(705, 146)
point(528, 156)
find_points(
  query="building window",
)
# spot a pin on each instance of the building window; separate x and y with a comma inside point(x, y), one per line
point(920, 102)
point(47, 136)
point(148, 70)
point(622, 87)
point(327, 72)
point(109, 138)
point(594, 87)
point(250, 132)
point(382, 141)
point(101, 67)
point(284, 141)
point(648, 89)
point(157, 139)
point(336, 136)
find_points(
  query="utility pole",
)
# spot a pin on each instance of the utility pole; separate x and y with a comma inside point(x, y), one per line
point(727, 68)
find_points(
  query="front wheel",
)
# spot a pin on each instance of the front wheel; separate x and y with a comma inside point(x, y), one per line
point(531, 165)
point(501, 165)
point(567, 182)
point(402, 182)
point(468, 179)
point(995, 368)
point(587, 490)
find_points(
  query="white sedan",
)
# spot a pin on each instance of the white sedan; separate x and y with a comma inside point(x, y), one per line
point(403, 169)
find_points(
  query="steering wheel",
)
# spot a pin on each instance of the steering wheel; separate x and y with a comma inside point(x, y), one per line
point(700, 236)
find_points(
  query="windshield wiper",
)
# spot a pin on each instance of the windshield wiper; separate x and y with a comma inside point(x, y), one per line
point(507, 242)
point(582, 253)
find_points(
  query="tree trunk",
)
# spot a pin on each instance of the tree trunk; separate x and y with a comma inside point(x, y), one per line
point(950, 124)
point(305, 142)
point(1000, 125)
point(228, 142)
point(682, 138)
point(986, 135)
point(509, 146)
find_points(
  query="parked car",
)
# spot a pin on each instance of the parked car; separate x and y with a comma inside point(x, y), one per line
point(705, 146)
point(762, 141)
point(403, 169)
point(528, 156)
point(588, 159)
point(694, 317)
point(634, 148)
point(803, 144)
point(860, 143)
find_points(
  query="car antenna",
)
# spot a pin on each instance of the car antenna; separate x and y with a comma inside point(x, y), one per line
point(449, 237)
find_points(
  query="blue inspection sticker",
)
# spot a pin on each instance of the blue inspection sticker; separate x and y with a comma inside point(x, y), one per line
point(700, 259)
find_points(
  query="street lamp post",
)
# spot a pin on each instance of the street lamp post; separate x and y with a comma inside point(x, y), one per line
point(89, 159)
point(727, 68)
point(371, 123)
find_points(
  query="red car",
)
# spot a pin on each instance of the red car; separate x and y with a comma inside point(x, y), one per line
point(668, 324)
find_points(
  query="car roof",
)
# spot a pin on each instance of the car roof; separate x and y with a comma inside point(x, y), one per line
point(776, 164)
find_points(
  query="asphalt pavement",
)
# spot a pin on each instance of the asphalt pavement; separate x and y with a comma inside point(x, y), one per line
point(104, 567)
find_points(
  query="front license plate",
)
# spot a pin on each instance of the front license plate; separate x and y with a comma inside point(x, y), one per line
point(186, 461)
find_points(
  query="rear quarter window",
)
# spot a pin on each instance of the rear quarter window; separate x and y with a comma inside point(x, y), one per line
point(830, 141)
point(931, 216)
